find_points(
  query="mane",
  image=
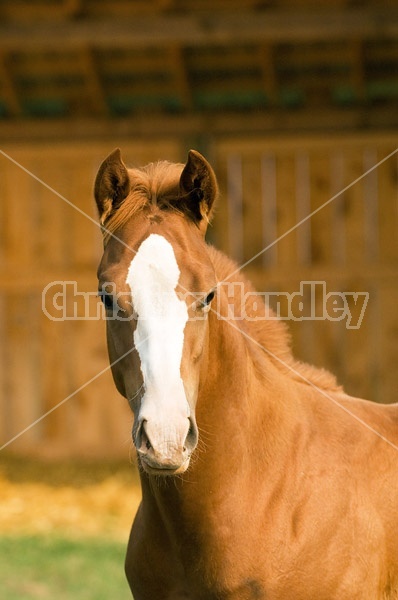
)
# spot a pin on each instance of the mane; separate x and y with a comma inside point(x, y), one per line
point(156, 184)
point(270, 335)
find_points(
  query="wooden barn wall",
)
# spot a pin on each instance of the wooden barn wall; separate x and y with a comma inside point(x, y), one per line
point(267, 187)
point(350, 245)
point(44, 363)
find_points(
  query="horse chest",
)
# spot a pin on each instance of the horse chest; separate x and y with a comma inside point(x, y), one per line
point(214, 555)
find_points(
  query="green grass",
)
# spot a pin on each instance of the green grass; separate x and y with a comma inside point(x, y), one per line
point(48, 567)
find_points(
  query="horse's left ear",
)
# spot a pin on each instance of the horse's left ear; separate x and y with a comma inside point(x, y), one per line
point(198, 189)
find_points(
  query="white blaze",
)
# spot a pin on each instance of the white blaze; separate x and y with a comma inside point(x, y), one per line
point(159, 336)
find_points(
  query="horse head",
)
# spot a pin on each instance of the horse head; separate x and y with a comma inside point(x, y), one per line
point(157, 282)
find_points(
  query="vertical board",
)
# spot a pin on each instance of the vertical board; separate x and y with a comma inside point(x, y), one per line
point(18, 216)
point(286, 209)
point(269, 210)
point(252, 209)
point(370, 191)
point(55, 369)
point(235, 206)
point(303, 207)
point(22, 373)
point(323, 209)
point(337, 223)
point(354, 207)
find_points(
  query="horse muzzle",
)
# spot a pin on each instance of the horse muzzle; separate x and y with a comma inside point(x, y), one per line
point(165, 449)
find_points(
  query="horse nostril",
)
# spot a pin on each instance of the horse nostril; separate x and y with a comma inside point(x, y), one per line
point(142, 439)
point(192, 436)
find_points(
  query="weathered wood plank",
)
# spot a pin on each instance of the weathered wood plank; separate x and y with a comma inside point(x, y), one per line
point(281, 25)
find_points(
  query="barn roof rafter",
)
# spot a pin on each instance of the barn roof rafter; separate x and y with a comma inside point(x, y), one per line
point(289, 25)
point(79, 60)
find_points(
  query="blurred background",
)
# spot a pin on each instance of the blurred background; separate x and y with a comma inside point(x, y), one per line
point(292, 101)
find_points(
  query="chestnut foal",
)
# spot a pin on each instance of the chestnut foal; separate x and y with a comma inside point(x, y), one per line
point(261, 478)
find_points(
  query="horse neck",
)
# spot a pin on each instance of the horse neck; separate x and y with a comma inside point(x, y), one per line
point(243, 396)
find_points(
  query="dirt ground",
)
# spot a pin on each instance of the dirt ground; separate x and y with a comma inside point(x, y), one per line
point(71, 498)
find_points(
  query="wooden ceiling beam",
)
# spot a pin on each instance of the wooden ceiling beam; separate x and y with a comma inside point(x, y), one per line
point(8, 89)
point(269, 75)
point(27, 11)
point(235, 60)
point(165, 4)
point(270, 26)
point(228, 123)
point(180, 73)
point(92, 80)
point(358, 69)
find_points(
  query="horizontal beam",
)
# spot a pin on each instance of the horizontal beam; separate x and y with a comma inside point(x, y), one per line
point(201, 124)
point(277, 26)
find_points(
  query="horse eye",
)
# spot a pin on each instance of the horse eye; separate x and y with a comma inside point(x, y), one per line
point(107, 299)
point(208, 298)
point(205, 304)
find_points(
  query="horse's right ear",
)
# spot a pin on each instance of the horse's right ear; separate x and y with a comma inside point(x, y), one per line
point(112, 184)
